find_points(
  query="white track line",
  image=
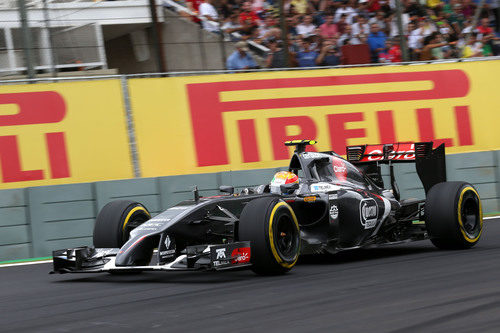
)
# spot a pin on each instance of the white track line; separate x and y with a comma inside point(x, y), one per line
point(26, 263)
point(47, 261)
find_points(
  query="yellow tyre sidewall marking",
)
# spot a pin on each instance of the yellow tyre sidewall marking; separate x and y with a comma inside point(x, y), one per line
point(271, 237)
point(132, 211)
point(459, 208)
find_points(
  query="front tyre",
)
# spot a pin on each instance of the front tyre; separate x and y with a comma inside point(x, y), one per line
point(453, 215)
point(115, 222)
point(273, 231)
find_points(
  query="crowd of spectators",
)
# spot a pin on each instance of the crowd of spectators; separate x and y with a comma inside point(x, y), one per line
point(332, 32)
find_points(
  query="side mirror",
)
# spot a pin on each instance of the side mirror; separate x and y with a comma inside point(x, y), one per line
point(226, 189)
point(289, 188)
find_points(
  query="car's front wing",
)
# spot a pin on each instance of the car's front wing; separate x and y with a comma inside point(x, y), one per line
point(202, 257)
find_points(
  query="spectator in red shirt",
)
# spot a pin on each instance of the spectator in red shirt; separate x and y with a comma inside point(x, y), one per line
point(395, 51)
point(373, 6)
point(391, 52)
point(484, 28)
point(194, 6)
point(247, 15)
point(341, 24)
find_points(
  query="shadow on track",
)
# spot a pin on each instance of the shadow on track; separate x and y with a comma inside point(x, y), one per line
point(350, 256)
point(186, 277)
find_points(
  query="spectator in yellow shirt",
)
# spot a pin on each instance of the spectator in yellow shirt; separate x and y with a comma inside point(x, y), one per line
point(436, 5)
point(474, 48)
point(300, 6)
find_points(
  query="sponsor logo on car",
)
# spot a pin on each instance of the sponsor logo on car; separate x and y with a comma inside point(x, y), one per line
point(149, 226)
point(167, 250)
point(240, 255)
point(160, 219)
point(333, 196)
point(310, 199)
point(313, 155)
point(334, 212)
point(400, 151)
point(340, 169)
point(103, 252)
point(368, 211)
point(221, 253)
point(167, 242)
point(217, 263)
point(230, 254)
point(324, 187)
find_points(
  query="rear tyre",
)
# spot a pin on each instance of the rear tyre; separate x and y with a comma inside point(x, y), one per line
point(115, 222)
point(453, 215)
point(273, 231)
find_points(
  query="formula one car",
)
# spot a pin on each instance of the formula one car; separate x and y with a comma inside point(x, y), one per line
point(323, 203)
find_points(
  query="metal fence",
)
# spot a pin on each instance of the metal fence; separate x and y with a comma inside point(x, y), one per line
point(46, 79)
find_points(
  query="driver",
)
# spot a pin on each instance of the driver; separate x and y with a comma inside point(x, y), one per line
point(281, 178)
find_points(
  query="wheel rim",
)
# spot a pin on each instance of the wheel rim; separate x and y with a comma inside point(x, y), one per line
point(286, 238)
point(470, 214)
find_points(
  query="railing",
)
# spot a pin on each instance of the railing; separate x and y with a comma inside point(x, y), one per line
point(77, 47)
point(12, 4)
point(212, 72)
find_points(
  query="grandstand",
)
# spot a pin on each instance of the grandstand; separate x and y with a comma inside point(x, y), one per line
point(76, 35)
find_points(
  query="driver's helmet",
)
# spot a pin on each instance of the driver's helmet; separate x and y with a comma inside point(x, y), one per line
point(281, 178)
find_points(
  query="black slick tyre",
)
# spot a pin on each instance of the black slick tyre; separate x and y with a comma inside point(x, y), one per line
point(453, 215)
point(115, 221)
point(273, 231)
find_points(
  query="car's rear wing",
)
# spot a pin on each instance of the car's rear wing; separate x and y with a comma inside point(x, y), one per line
point(385, 153)
point(429, 161)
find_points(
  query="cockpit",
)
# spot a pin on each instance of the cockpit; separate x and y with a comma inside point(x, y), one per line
point(325, 167)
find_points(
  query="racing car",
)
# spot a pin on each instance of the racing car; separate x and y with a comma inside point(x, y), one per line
point(323, 203)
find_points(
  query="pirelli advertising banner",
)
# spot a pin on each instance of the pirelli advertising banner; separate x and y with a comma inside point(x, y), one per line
point(61, 133)
point(75, 132)
point(240, 121)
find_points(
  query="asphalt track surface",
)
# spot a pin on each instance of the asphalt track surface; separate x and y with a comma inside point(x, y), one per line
point(404, 288)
